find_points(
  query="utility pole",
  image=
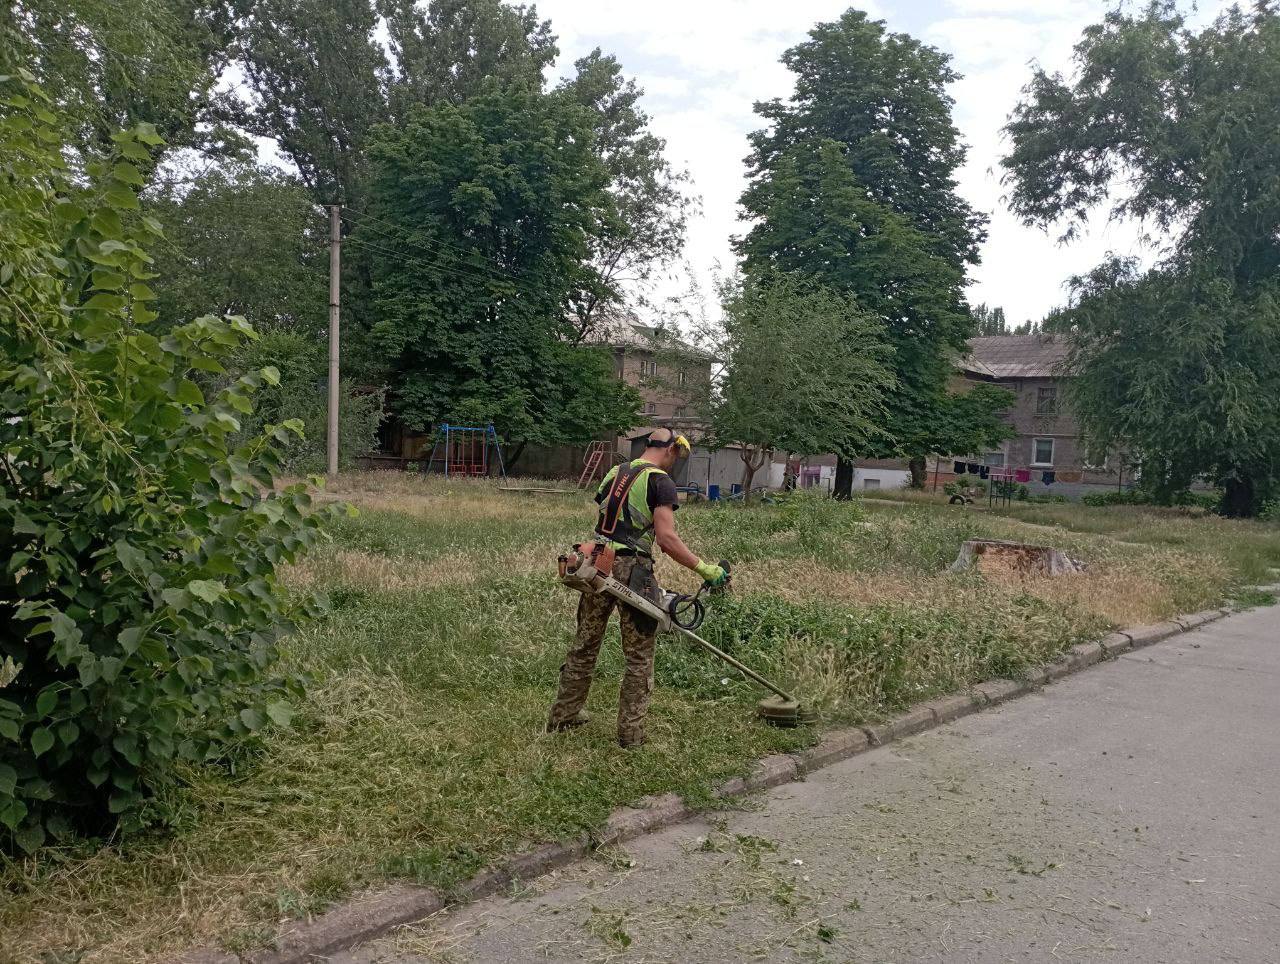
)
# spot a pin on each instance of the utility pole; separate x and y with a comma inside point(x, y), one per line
point(335, 265)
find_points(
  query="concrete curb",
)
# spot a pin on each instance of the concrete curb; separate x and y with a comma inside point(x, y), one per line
point(375, 914)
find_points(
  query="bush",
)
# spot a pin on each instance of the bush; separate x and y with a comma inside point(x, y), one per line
point(1045, 498)
point(139, 603)
point(1209, 501)
point(957, 487)
point(302, 394)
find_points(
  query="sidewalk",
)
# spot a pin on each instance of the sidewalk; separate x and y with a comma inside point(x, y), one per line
point(1128, 813)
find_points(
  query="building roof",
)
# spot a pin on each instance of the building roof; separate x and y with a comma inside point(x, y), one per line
point(621, 329)
point(1015, 356)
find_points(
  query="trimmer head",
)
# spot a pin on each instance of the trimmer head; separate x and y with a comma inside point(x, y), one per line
point(776, 711)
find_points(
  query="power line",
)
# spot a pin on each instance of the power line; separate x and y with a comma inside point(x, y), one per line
point(520, 286)
point(365, 216)
point(478, 272)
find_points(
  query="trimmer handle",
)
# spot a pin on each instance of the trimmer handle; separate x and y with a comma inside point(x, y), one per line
point(723, 587)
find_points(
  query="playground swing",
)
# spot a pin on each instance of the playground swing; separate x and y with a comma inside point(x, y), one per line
point(467, 451)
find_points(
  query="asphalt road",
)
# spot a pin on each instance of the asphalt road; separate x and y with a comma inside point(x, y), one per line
point(1129, 813)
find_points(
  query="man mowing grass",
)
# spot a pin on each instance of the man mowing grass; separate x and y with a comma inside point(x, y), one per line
point(637, 504)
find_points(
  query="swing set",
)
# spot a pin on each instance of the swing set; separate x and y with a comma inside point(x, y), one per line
point(467, 451)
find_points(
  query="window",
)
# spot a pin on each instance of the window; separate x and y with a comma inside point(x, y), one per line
point(680, 377)
point(1097, 461)
point(871, 483)
point(648, 367)
point(1042, 451)
point(650, 408)
point(1047, 400)
point(994, 459)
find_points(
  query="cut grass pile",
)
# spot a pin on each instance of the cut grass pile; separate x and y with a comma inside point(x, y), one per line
point(419, 754)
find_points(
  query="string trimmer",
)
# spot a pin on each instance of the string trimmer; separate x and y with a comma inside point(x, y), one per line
point(588, 567)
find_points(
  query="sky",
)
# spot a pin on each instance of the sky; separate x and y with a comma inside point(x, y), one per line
point(703, 63)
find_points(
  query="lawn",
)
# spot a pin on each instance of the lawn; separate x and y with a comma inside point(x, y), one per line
point(419, 752)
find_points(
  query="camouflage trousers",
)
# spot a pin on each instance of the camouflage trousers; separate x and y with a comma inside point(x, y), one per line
point(639, 637)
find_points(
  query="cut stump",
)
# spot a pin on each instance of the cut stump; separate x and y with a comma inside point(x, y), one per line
point(993, 555)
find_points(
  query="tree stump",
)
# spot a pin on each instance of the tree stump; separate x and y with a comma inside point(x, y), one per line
point(993, 555)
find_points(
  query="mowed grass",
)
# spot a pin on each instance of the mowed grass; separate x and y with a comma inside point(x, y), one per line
point(419, 752)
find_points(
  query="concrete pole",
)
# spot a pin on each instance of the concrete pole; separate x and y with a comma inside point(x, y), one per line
point(335, 265)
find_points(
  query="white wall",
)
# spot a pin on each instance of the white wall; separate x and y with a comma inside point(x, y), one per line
point(888, 478)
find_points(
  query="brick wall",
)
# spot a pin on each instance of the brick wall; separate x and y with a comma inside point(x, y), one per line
point(657, 376)
point(1042, 411)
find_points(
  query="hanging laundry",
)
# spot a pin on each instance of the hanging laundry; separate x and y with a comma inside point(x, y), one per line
point(973, 467)
point(983, 471)
point(959, 468)
point(1048, 478)
point(1022, 475)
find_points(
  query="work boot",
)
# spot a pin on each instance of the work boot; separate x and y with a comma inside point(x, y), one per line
point(578, 719)
point(631, 744)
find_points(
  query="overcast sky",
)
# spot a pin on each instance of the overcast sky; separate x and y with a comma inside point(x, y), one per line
point(703, 63)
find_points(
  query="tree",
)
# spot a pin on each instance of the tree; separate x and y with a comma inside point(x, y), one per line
point(853, 184)
point(243, 240)
point(445, 50)
point(140, 603)
point(990, 321)
point(109, 66)
point(806, 370)
point(1176, 363)
point(652, 208)
point(321, 80)
point(494, 205)
point(882, 97)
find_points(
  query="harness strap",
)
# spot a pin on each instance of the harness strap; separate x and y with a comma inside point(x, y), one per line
point(617, 499)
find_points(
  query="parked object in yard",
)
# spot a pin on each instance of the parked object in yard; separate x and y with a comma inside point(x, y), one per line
point(1017, 557)
point(467, 450)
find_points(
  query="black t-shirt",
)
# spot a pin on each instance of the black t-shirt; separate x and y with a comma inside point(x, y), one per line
point(662, 491)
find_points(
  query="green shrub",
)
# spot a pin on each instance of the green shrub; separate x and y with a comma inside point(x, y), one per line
point(959, 487)
point(1209, 501)
point(1045, 498)
point(139, 603)
point(301, 394)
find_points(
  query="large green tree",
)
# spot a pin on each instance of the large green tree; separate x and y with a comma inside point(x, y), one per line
point(445, 50)
point(322, 74)
point(321, 79)
point(242, 240)
point(491, 209)
point(109, 65)
point(806, 371)
point(853, 183)
point(651, 204)
point(1179, 129)
point(318, 81)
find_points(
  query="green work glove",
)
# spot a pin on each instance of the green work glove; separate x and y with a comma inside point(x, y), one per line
point(711, 573)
